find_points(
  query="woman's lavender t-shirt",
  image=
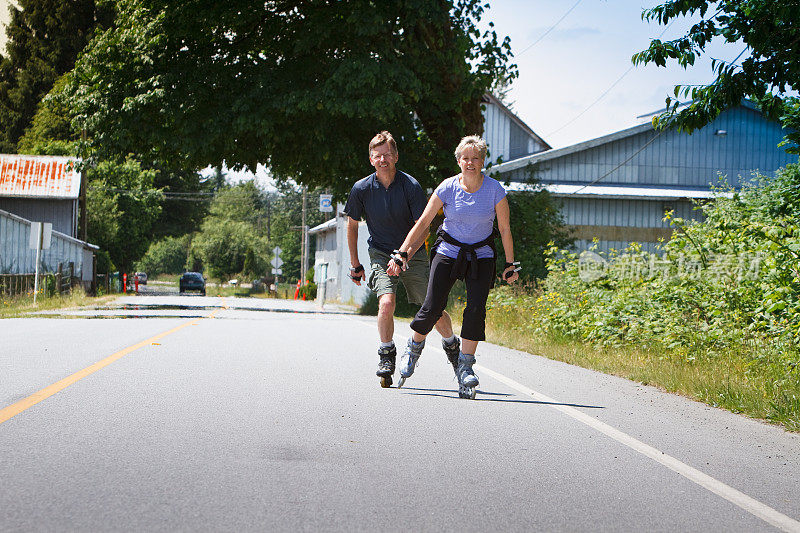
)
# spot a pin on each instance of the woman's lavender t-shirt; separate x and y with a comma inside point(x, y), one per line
point(468, 217)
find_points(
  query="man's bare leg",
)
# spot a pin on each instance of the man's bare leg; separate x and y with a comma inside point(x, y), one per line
point(386, 304)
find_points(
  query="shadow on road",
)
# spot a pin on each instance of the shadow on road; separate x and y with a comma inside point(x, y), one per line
point(482, 396)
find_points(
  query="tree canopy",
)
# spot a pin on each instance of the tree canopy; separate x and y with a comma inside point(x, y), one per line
point(230, 242)
point(299, 85)
point(123, 207)
point(770, 32)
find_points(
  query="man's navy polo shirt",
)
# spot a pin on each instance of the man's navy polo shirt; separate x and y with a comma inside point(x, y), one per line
point(390, 213)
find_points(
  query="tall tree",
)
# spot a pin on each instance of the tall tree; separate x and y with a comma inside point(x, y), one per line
point(123, 206)
point(299, 85)
point(230, 241)
point(770, 72)
point(287, 217)
point(44, 39)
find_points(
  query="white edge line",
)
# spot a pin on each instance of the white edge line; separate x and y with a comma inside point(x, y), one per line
point(738, 498)
point(752, 506)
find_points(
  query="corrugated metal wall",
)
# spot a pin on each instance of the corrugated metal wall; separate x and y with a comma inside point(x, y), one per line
point(496, 132)
point(332, 249)
point(62, 214)
point(602, 216)
point(17, 258)
point(673, 160)
point(676, 159)
point(506, 139)
point(613, 212)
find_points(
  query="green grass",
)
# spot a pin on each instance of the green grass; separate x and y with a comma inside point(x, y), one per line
point(740, 380)
point(17, 306)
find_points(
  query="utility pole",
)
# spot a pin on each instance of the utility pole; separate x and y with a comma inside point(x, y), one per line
point(82, 225)
point(304, 242)
point(269, 221)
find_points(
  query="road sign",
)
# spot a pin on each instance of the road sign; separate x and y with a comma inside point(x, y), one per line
point(277, 271)
point(326, 203)
point(46, 229)
point(276, 260)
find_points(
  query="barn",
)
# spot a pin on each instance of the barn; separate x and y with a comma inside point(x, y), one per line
point(41, 189)
point(616, 188)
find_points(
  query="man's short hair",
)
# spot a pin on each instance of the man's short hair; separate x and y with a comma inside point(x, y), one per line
point(474, 141)
point(383, 137)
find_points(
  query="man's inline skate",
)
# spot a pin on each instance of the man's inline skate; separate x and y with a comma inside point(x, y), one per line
point(386, 365)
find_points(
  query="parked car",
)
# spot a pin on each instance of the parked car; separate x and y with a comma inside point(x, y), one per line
point(192, 281)
point(141, 277)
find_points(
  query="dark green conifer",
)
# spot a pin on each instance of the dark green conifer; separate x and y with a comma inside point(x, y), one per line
point(44, 40)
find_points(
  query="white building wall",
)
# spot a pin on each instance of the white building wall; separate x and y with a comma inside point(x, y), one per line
point(17, 258)
point(332, 250)
point(496, 132)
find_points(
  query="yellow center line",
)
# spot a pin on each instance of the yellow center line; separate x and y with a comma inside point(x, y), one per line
point(16, 408)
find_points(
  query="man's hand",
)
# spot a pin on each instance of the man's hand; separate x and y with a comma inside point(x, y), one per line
point(357, 274)
point(393, 269)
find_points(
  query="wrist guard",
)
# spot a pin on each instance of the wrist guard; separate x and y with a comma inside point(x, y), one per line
point(399, 257)
point(511, 272)
point(355, 271)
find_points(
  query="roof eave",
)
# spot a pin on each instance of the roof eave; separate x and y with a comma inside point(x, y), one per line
point(560, 152)
point(518, 121)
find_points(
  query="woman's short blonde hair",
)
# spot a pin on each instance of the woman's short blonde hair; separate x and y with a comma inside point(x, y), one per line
point(474, 141)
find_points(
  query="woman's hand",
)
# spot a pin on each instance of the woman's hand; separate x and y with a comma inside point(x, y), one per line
point(397, 263)
point(510, 272)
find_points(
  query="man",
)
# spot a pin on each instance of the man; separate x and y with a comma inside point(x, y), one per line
point(391, 201)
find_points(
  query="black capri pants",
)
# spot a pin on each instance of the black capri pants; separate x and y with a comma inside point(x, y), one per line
point(439, 284)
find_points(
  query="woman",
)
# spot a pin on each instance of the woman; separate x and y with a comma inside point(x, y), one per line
point(464, 250)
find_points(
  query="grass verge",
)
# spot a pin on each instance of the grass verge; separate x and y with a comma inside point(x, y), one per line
point(735, 379)
point(18, 306)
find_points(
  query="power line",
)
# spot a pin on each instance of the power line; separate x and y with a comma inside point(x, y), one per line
point(576, 117)
point(648, 143)
point(551, 28)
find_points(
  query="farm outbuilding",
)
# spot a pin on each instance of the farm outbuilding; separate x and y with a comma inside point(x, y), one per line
point(41, 189)
point(616, 188)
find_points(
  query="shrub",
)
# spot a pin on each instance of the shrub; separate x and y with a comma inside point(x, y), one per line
point(309, 290)
point(167, 256)
point(730, 280)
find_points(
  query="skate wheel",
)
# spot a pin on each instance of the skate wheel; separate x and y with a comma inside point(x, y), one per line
point(471, 393)
point(400, 382)
point(386, 381)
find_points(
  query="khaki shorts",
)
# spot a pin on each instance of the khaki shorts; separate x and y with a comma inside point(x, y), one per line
point(415, 279)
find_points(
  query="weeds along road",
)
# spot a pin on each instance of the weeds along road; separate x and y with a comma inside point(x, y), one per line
point(240, 414)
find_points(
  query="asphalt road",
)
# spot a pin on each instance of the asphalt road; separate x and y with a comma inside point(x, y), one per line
point(236, 414)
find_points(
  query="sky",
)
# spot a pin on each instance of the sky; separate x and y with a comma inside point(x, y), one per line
point(564, 67)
